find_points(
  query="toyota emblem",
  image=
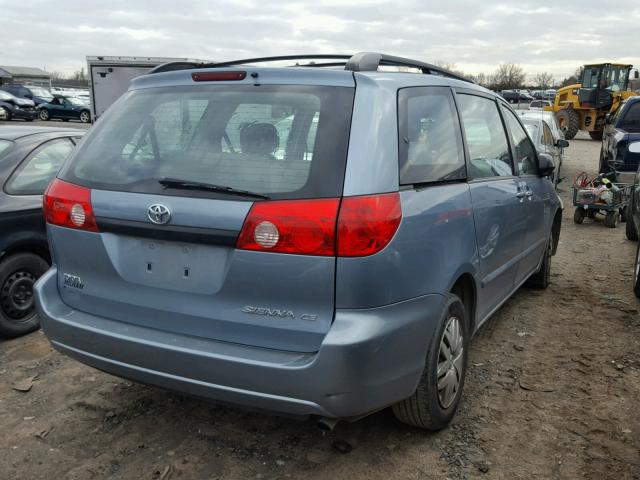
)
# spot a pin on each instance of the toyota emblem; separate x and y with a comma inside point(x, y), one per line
point(159, 214)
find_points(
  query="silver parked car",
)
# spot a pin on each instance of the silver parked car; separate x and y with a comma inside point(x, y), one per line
point(545, 142)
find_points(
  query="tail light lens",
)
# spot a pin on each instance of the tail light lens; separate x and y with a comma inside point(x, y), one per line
point(305, 227)
point(365, 225)
point(69, 205)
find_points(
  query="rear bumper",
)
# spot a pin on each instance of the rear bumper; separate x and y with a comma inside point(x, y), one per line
point(369, 359)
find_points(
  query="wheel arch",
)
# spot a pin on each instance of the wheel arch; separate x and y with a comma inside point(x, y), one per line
point(465, 288)
point(36, 248)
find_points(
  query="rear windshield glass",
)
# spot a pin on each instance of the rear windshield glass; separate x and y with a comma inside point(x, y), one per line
point(4, 146)
point(279, 141)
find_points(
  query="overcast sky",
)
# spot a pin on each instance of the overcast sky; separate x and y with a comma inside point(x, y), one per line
point(475, 35)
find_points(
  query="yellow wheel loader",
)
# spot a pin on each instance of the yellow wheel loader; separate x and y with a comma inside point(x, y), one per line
point(583, 106)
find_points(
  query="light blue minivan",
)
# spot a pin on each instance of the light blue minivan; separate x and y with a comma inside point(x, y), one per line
point(319, 240)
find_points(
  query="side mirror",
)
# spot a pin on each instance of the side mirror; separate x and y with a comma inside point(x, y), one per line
point(607, 119)
point(634, 147)
point(562, 143)
point(545, 164)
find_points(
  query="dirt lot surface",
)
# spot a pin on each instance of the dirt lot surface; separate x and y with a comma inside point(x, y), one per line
point(553, 391)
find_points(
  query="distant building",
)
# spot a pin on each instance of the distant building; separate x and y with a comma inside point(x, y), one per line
point(24, 76)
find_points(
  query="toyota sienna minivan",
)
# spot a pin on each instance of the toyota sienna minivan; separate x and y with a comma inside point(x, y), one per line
point(320, 240)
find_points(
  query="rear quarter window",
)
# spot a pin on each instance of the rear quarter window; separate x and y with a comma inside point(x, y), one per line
point(430, 147)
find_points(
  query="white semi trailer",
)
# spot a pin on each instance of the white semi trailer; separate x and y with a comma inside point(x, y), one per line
point(109, 77)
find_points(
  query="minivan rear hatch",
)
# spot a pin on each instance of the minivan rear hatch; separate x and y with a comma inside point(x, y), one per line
point(173, 170)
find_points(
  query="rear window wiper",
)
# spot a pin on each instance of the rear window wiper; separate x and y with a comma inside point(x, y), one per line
point(207, 187)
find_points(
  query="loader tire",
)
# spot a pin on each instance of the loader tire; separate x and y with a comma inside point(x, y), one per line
point(569, 121)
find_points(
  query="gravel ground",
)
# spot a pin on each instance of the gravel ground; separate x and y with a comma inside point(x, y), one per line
point(552, 392)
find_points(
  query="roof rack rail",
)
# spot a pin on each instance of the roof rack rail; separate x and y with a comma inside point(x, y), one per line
point(371, 61)
point(172, 66)
point(360, 62)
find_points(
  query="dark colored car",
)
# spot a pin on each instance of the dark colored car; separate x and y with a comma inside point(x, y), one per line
point(13, 107)
point(37, 94)
point(65, 108)
point(29, 158)
point(512, 96)
point(633, 217)
point(621, 128)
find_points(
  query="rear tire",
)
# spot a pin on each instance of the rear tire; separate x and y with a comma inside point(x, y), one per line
point(578, 216)
point(429, 407)
point(612, 219)
point(542, 278)
point(596, 135)
point(569, 121)
point(18, 273)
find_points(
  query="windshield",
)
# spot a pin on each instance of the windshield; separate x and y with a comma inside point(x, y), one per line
point(279, 141)
point(41, 92)
point(533, 129)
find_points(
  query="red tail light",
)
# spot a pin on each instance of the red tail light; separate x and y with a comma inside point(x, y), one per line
point(306, 227)
point(367, 224)
point(69, 205)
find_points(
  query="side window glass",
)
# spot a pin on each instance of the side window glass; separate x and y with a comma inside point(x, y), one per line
point(35, 173)
point(430, 147)
point(631, 120)
point(523, 150)
point(486, 139)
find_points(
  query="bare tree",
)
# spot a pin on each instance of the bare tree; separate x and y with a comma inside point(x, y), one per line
point(508, 76)
point(482, 79)
point(573, 79)
point(543, 80)
point(452, 67)
point(79, 75)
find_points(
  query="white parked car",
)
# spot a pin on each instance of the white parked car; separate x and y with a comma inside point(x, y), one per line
point(549, 118)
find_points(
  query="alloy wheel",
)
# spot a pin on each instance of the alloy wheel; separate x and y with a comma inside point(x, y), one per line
point(450, 362)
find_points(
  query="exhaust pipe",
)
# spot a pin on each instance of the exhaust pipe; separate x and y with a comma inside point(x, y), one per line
point(327, 424)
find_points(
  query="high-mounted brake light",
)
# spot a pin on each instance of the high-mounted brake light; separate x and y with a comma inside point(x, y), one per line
point(69, 205)
point(365, 225)
point(305, 227)
point(219, 76)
